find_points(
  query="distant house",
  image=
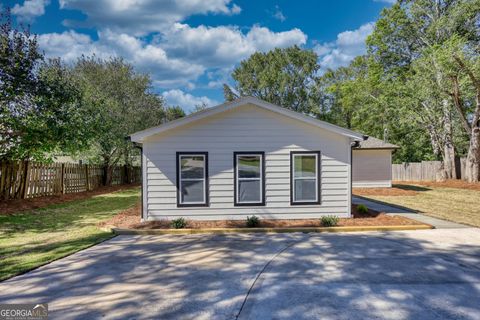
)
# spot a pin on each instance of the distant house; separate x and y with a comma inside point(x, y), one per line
point(246, 157)
point(372, 164)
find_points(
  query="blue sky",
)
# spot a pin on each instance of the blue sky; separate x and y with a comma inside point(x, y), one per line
point(189, 47)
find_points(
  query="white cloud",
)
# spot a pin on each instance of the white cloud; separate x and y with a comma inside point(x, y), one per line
point(386, 1)
point(264, 39)
point(345, 48)
point(186, 101)
point(141, 17)
point(149, 58)
point(235, 9)
point(175, 54)
point(278, 14)
point(225, 45)
point(217, 78)
point(30, 10)
point(177, 58)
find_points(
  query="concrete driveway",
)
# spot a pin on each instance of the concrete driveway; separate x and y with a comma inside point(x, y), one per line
point(431, 274)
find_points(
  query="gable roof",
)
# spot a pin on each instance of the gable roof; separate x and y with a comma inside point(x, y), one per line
point(140, 136)
point(374, 143)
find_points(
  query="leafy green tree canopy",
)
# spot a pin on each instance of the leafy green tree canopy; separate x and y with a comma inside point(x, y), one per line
point(39, 110)
point(122, 102)
point(281, 76)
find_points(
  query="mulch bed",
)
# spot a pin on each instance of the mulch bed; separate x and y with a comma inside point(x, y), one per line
point(412, 188)
point(130, 219)
point(17, 205)
point(459, 184)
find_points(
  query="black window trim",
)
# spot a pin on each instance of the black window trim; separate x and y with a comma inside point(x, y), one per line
point(192, 153)
point(319, 183)
point(248, 204)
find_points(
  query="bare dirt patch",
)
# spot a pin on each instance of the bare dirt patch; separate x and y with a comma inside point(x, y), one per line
point(130, 219)
point(458, 184)
point(17, 205)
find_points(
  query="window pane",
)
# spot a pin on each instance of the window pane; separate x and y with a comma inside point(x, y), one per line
point(192, 191)
point(192, 167)
point(248, 166)
point(249, 191)
point(305, 166)
point(305, 190)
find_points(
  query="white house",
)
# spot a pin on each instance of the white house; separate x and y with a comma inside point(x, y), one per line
point(372, 164)
point(246, 157)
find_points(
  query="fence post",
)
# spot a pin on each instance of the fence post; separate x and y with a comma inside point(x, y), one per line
point(26, 180)
point(62, 178)
point(86, 177)
point(126, 178)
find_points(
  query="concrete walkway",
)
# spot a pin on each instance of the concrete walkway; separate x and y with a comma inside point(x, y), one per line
point(393, 210)
point(425, 274)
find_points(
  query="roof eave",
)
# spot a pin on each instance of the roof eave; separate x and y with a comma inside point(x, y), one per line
point(379, 148)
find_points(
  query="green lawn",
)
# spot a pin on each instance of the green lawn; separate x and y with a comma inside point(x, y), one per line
point(458, 205)
point(31, 239)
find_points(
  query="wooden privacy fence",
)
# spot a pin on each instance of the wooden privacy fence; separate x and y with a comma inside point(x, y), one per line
point(25, 179)
point(424, 171)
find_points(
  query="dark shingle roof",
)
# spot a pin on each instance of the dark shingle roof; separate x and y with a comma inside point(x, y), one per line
point(374, 143)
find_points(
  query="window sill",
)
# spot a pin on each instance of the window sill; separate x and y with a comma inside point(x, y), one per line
point(305, 203)
point(186, 205)
point(258, 204)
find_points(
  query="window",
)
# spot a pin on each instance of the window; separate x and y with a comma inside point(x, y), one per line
point(249, 184)
point(305, 177)
point(192, 179)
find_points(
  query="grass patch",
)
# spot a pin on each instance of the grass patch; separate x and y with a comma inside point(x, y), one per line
point(31, 239)
point(453, 204)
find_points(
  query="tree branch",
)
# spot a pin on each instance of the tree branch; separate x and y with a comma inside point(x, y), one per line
point(469, 72)
point(458, 103)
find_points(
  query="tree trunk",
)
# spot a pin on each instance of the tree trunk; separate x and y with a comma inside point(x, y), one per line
point(448, 148)
point(472, 167)
point(107, 175)
point(107, 172)
point(434, 141)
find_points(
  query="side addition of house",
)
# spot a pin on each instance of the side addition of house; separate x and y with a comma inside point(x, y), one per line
point(372, 164)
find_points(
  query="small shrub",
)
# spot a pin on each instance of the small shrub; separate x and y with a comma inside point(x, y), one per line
point(253, 221)
point(329, 221)
point(178, 223)
point(362, 209)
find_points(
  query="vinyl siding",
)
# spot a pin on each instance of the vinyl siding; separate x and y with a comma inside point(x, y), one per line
point(246, 128)
point(372, 168)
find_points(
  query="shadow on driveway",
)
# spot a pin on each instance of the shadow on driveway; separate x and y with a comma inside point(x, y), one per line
point(432, 274)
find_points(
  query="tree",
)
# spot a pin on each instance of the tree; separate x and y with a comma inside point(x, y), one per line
point(460, 61)
point(357, 97)
point(409, 31)
point(228, 93)
point(281, 76)
point(343, 94)
point(122, 103)
point(172, 113)
point(199, 107)
point(39, 111)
